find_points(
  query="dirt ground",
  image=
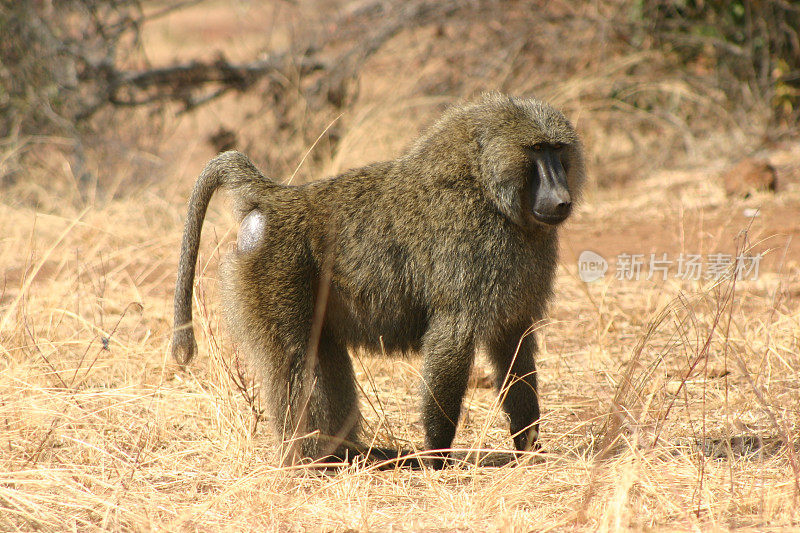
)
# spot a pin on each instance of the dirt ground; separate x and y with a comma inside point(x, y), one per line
point(667, 404)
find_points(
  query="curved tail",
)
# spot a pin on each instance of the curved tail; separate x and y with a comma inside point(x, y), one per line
point(229, 170)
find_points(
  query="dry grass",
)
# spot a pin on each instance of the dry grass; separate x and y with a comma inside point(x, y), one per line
point(642, 384)
point(666, 405)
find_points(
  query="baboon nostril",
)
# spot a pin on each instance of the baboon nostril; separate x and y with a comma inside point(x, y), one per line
point(563, 208)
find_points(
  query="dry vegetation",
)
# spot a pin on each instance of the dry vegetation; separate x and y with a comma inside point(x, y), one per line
point(667, 404)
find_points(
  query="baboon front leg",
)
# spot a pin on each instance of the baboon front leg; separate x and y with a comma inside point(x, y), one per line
point(448, 361)
point(515, 379)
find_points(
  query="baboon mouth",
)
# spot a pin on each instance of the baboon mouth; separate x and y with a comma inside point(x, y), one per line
point(550, 220)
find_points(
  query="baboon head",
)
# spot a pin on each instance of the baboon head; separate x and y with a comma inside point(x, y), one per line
point(530, 159)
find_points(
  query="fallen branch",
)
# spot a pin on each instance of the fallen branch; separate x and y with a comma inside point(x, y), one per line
point(183, 83)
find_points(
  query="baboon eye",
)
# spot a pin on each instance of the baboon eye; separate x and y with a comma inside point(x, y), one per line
point(537, 146)
point(558, 146)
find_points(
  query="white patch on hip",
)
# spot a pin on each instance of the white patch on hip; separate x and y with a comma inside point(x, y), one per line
point(251, 231)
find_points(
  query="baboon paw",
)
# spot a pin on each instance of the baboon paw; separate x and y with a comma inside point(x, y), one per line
point(532, 443)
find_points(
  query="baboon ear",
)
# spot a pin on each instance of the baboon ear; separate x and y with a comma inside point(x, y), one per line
point(500, 176)
point(508, 197)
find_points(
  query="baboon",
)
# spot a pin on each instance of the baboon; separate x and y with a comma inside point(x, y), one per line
point(450, 247)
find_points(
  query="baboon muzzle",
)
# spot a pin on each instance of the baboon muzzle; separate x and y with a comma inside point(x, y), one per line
point(551, 202)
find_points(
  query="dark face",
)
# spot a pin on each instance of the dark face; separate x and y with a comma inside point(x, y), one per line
point(547, 197)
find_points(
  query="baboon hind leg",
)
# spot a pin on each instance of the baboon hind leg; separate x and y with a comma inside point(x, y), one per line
point(333, 415)
point(332, 405)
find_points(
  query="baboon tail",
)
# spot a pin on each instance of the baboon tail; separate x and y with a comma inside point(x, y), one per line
point(232, 170)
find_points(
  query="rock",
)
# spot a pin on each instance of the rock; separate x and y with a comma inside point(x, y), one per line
point(748, 176)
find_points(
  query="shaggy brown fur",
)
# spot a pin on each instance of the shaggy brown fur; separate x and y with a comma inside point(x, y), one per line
point(449, 247)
